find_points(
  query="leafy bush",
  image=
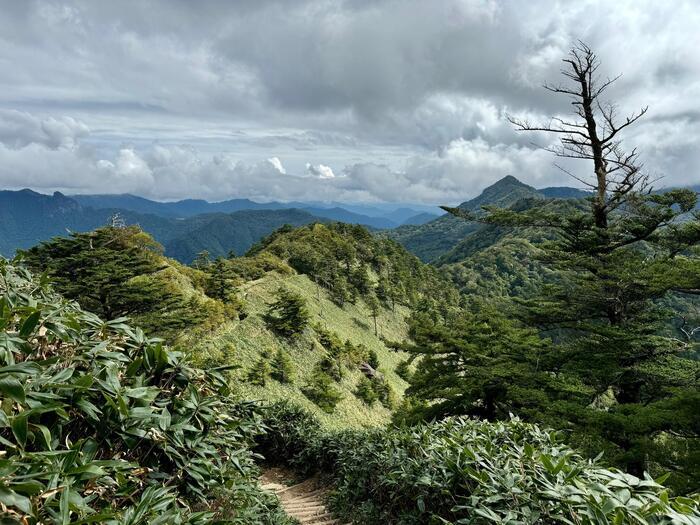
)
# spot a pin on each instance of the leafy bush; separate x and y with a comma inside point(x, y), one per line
point(290, 430)
point(403, 370)
point(365, 391)
point(385, 393)
point(260, 372)
point(373, 359)
point(346, 353)
point(376, 389)
point(99, 423)
point(463, 471)
point(330, 366)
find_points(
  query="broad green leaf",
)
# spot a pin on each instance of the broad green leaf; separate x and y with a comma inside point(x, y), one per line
point(12, 388)
point(20, 429)
point(29, 324)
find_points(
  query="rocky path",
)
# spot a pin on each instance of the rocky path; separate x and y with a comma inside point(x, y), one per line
point(303, 501)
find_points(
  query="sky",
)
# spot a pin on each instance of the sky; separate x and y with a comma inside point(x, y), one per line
point(327, 100)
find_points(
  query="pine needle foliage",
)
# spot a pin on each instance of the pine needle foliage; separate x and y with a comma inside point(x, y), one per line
point(288, 315)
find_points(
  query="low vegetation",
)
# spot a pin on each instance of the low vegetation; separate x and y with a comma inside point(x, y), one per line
point(99, 423)
point(466, 471)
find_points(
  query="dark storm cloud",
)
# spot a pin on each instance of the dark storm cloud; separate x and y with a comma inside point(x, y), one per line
point(180, 98)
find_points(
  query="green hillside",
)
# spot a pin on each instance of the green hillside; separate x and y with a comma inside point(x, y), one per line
point(433, 239)
point(245, 342)
point(358, 291)
point(349, 280)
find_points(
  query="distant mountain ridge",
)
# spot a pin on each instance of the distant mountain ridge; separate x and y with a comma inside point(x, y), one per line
point(374, 216)
point(190, 226)
point(184, 228)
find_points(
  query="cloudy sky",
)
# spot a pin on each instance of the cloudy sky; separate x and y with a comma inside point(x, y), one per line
point(352, 100)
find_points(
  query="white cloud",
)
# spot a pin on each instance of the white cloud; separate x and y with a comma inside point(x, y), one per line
point(277, 164)
point(388, 99)
point(320, 171)
point(19, 129)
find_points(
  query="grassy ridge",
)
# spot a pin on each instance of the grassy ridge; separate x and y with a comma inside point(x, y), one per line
point(244, 342)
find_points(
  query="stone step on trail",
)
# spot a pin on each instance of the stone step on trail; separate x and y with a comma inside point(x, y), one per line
point(302, 501)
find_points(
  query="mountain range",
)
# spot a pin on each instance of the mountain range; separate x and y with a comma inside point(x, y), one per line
point(185, 227)
point(188, 227)
point(376, 216)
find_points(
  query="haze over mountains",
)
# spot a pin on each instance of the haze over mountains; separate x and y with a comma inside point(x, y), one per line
point(185, 227)
point(188, 227)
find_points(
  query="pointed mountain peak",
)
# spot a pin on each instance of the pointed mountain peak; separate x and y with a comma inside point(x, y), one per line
point(508, 181)
point(503, 192)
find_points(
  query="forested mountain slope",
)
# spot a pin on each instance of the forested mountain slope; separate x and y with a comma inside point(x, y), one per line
point(222, 234)
point(353, 293)
point(152, 439)
point(431, 240)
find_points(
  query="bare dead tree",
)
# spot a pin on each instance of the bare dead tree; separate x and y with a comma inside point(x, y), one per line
point(594, 135)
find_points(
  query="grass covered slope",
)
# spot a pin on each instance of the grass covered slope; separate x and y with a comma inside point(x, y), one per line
point(358, 291)
point(245, 342)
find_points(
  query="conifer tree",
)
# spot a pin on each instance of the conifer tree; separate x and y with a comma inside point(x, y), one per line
point(365, 391)
point(615, 262)
point(321, 390)
point(95, 268)
point(373, 358)
point(202, 260)
point(374, 306)
point(288, 315)
point(260, 372)
point(220, 282)
point(282, 367)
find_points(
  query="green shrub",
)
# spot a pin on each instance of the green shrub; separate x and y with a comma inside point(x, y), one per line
point(330, 366)
point(282, 367)
point(328, 340)
point(403, 370)
point(463, 471)
point(385, 394)
point(467, 471)
point(373, 358)
point(376, 389)
point(290, 429)
point(99, 423)
point(354, 355)
point(260, 372)
point(321, 390)
point(365, 391)
point(346, 353)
